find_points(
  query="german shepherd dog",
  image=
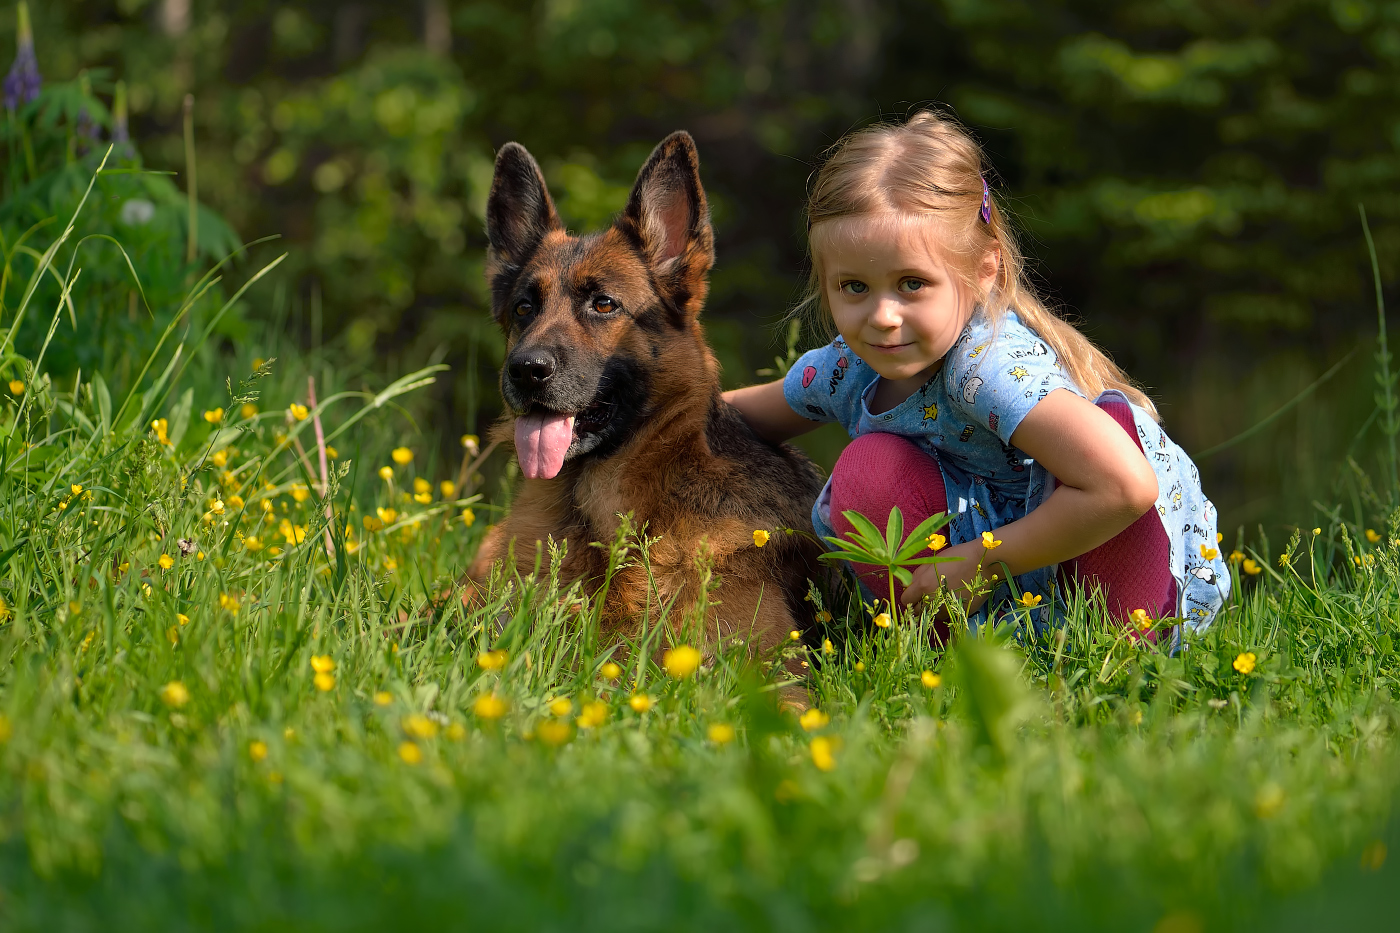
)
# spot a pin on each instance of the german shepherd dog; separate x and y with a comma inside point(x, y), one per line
point(614, 405)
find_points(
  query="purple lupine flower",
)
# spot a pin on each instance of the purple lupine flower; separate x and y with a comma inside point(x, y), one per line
point(23, 83)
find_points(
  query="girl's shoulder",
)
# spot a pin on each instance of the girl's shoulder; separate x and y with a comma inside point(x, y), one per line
point(998, 369)
point(988, 340)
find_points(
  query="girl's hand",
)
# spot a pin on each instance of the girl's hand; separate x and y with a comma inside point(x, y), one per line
point(766, 410)
point(958, 575)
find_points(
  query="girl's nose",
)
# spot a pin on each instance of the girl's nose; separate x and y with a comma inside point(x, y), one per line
point(886, 314)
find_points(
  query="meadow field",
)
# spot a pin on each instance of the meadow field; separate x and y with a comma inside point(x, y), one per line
point(242, 690)
point(244, 687)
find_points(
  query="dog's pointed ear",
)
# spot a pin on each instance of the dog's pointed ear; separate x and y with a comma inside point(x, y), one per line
point(668, 218)
point(519, 212)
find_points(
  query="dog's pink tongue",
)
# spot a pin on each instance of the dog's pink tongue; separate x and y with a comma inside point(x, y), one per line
point(541, 442)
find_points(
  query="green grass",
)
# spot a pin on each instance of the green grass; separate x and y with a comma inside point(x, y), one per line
point(228, 736)
point(1071, 781)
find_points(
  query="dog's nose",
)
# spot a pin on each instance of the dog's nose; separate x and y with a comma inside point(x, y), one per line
point(533, 370)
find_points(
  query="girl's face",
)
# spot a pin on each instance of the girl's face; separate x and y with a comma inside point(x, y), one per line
point(893, 297)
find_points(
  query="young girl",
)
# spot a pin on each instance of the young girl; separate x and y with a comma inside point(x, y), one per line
point(963, 393)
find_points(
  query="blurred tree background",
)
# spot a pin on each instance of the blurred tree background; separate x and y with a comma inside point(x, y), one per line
point(1187, 173)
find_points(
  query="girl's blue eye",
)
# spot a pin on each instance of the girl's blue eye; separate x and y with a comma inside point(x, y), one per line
point(855, 288)
point(912, 285)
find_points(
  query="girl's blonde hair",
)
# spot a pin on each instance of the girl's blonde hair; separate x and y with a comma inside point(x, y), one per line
point(931, 167)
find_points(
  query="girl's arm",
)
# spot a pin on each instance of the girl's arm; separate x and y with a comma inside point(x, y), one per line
point(1105, 485)
point(766, 410)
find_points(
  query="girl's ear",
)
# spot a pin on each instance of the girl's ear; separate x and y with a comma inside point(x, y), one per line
point(990, 270)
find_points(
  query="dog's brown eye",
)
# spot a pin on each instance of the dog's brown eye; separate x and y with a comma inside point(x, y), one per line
point(524, 308)
point(604, 305)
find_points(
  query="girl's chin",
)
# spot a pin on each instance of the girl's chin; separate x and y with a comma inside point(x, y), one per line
point(895, 372)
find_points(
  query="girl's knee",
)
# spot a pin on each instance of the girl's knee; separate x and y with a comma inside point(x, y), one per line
point(878, 471)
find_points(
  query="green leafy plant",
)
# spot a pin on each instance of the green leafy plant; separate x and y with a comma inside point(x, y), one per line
point(891, 550)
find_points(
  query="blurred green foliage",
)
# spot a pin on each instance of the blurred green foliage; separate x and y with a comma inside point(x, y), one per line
point(1187, 172)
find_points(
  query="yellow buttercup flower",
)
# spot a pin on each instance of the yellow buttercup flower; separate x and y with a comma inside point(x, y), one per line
point(681, 661)
point(182, 618)
point(387, 516)
point(419, 726)
point(456, 732)
point(937, 542)
point(249, 410)
point(447, 488)
point(1268, 801)
point(721, 733)
point(332, 453)
point(823, 753)
point(228, 602)
point(1209, 553)
point(76, 489)
point(253, 543)
point(383, 698)
point(882, 620)
point(402, 456)
point(235, 501)
point(930, 680)
point(1140, 619)
point(165, 561)
point(257, 750)
point(410, 753)
point(593, 714)
point(322, 663)
point(298, 411)
point(219, 458)
point(492, 660)
point(561, 706)
point(300, 492)
point(386, 473)
point(324, 682)
point(860, 665)
point(813, 719)
point(421, 485)
point(639, 702)
point(1029, 600)
point(1235, 556)
point(489, 706)
point(214, 415)
point(989, 540)
point(16, 387)
point(468, 517)
point(1244, 662)
point(823, 616)
point(611, 671)
point(828, 647)
point(471, 444)
point(794, 635)
point(1373, 536)
point(553, 732)
point(4, 610)
point(175, 694)
point(760, 538)
point(1251, 567)
point(422, 498)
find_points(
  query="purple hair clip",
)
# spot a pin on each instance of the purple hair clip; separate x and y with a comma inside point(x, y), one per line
point(986, 211)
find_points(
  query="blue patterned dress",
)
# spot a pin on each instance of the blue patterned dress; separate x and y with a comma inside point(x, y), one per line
point(965, 415)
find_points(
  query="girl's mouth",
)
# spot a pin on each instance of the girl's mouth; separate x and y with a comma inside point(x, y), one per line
point(888, 348)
